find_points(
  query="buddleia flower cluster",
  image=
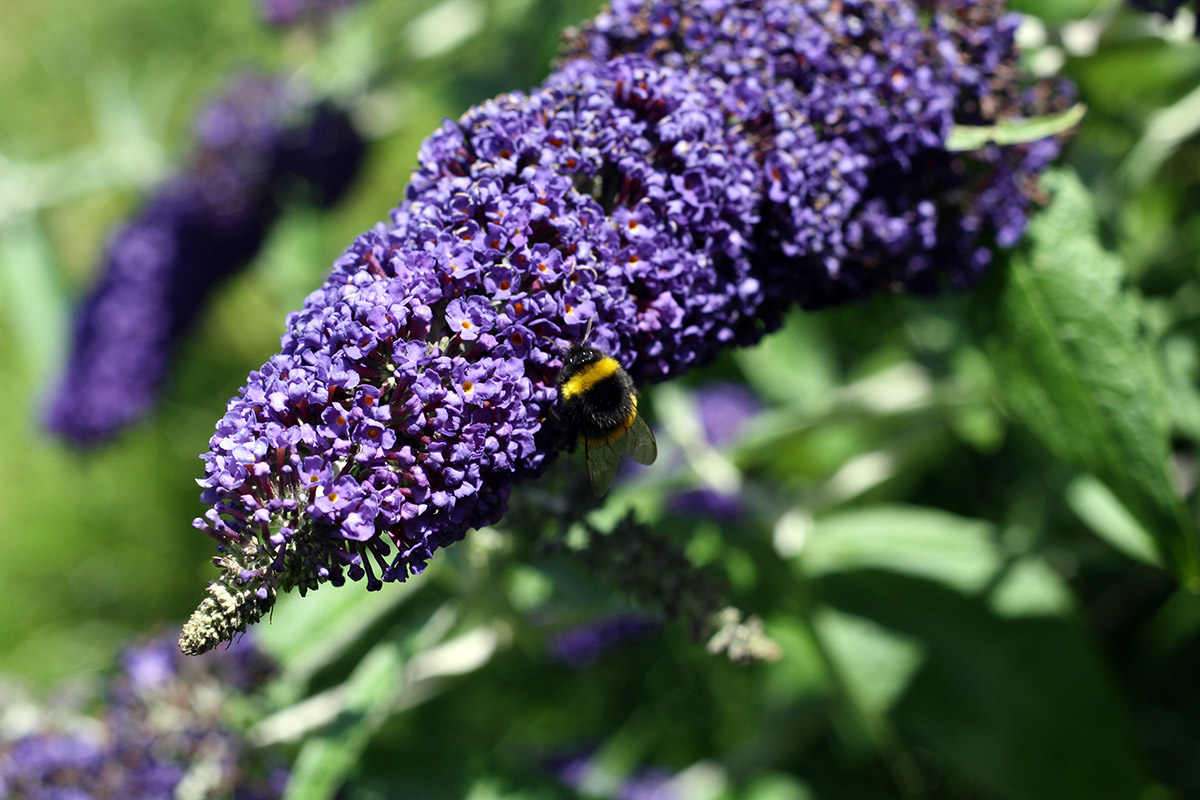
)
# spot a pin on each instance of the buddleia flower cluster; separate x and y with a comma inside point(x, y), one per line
point(691, 170)
point(162, 733)
point(255, 146)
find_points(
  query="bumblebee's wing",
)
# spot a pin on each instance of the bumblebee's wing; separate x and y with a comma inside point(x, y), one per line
point(602, 461)
point(642, 446)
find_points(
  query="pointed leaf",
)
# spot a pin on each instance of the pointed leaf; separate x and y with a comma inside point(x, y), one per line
point(1092, 501)
point(307, 633)
point(1014, 131)
point(1072, 364)
point(366, 700)
point(932, 544)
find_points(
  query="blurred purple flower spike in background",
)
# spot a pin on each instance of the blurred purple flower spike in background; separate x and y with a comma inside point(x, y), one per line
point(161, 726)
point(254, 147)
point(584, 645)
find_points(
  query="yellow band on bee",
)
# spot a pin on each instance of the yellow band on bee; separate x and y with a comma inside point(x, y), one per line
point(600, 441)
point(589, 376)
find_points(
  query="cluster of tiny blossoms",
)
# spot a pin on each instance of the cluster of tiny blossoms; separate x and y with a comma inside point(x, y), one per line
point(690, 171)
point(850, 102)
point(254, 145)
point(163, 733)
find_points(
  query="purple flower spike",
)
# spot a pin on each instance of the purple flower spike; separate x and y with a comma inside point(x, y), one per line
point(163, 726)
point(697, 169)
point(252, 145)
point(851, 103)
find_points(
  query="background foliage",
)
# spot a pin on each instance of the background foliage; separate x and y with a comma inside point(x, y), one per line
point(954, 512)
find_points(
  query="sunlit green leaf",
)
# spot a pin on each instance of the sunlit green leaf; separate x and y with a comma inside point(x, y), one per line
point(30, 301)
point(776, 786)
point(1014, 131)
point(1165, 132)
point(932, 544)
point(363, 702)
point(1058, 10)
point(306, 633)
point(1029, 587)
point(874, 664)
point(810, 374)
point(1111, 521)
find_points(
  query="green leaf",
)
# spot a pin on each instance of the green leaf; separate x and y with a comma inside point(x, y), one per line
point(1093, 503)
point(1166, 131)
point(1014, 131)
point(1181, 363)
point(811, 377)
point(1065, 342)
point(776, 786)
point(1057, 12)
point(1029, 587)
point(1018, 708)
point(875, 664)
point(364, 702)
point(967, 555)
point(307, 633)
point(31, 302)
point(955, 551)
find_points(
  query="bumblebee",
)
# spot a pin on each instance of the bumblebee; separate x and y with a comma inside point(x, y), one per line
point(596, 397)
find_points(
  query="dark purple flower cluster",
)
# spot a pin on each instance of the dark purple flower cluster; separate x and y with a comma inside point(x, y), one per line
point(583, 645)
point(710, 164)
point(288, 13)
point(254, 146)
point(415, 385)
point(162, 730)
point(850, 103)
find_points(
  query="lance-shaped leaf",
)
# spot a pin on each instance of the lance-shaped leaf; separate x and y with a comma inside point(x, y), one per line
point(1067, 345)
point(1017, 130)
